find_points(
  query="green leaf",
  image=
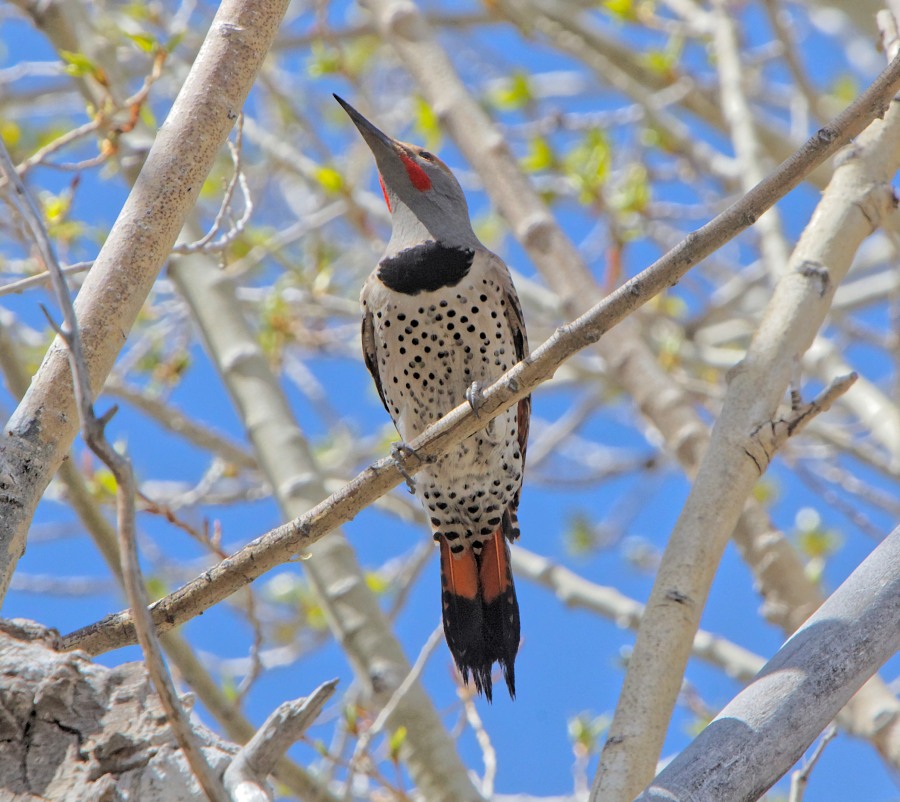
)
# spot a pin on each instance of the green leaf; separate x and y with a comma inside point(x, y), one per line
point(77, 64)
point(425, 123)
point(173, 41)
point(144, 41)
point(156, 588)
point(845, 89)
point(585, 730)
point(377, 583)
point(540, 155)
point(330, 179)
point(765, 491)
point(229, 688)
point(580, 537)
point(819, 542)
point(10, 133)
point(633, 194)
point(625, 10)
point(323, 60)
point(104, 483)
point(515, 93)
point(147, 116)
point(588, 164)
point(395, 742)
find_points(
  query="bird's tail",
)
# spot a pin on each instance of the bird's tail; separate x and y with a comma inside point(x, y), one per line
point(481, 613)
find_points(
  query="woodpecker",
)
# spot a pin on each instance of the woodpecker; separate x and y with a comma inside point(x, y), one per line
point(440, 319)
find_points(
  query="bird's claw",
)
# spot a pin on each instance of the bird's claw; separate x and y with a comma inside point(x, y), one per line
point(399, 449)
point(475, 398)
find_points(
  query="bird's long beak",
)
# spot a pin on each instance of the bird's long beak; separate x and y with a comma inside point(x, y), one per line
point(380, 143)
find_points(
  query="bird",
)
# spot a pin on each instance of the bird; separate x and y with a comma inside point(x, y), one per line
point(441, 319)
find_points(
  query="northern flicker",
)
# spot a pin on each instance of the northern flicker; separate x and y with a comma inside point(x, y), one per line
point(440, 319)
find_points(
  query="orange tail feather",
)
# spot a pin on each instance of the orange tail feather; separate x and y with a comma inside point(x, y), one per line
point(480, 610)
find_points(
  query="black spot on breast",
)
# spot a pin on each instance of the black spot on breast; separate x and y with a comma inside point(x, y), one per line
point(426, 267)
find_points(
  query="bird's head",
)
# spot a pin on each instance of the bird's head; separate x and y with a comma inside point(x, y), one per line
point(425, 199)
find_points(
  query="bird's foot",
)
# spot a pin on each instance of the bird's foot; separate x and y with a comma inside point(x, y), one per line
point(475, 398)
point(399, 449)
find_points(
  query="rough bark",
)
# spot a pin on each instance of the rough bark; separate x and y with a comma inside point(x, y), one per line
point(71, 730)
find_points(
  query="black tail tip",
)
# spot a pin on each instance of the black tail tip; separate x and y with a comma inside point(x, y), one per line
point(483, 679)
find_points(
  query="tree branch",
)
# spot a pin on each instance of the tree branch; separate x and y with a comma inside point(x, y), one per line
point(290, 539)
point(856, 199)
point(765, 729)
point(245, 778)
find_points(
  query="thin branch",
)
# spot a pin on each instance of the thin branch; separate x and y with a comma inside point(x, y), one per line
point(42, 278)
point(238, 178)
point(93, 430)
point(101, 120)
point(768, 437)
point(381, 720)
point(800, 778)
point(176, 421)
point(488, 753)
point(294, 537)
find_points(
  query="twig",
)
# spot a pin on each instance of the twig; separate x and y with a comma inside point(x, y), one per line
point(93, 429)
point(488, 753)
point(742, 128)
point(133, 104)
point(800, 778)
point(42, 278)
point(282, 543)
point(768, 437)
point(245, 777)
point(237, 178)
point(362, 746)
point(173, 419)
point(815, 100)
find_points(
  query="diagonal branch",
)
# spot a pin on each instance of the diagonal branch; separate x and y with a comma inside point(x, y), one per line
point(290, 539)
point(765, 729)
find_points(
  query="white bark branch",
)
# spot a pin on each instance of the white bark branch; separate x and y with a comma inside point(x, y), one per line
point(857, 198)
point(245, 778)
point(37, 437)
point(765, 729)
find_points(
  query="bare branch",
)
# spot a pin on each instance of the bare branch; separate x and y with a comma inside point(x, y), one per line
point(762, 732)
point(245, 777)
point(293, 538)
point(42, 278)
point(800, 777)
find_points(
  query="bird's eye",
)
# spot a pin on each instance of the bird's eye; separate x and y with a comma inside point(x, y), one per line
point(426, 155)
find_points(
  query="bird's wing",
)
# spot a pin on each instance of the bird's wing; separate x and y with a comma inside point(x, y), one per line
point(369, 354)
point(520, 340)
